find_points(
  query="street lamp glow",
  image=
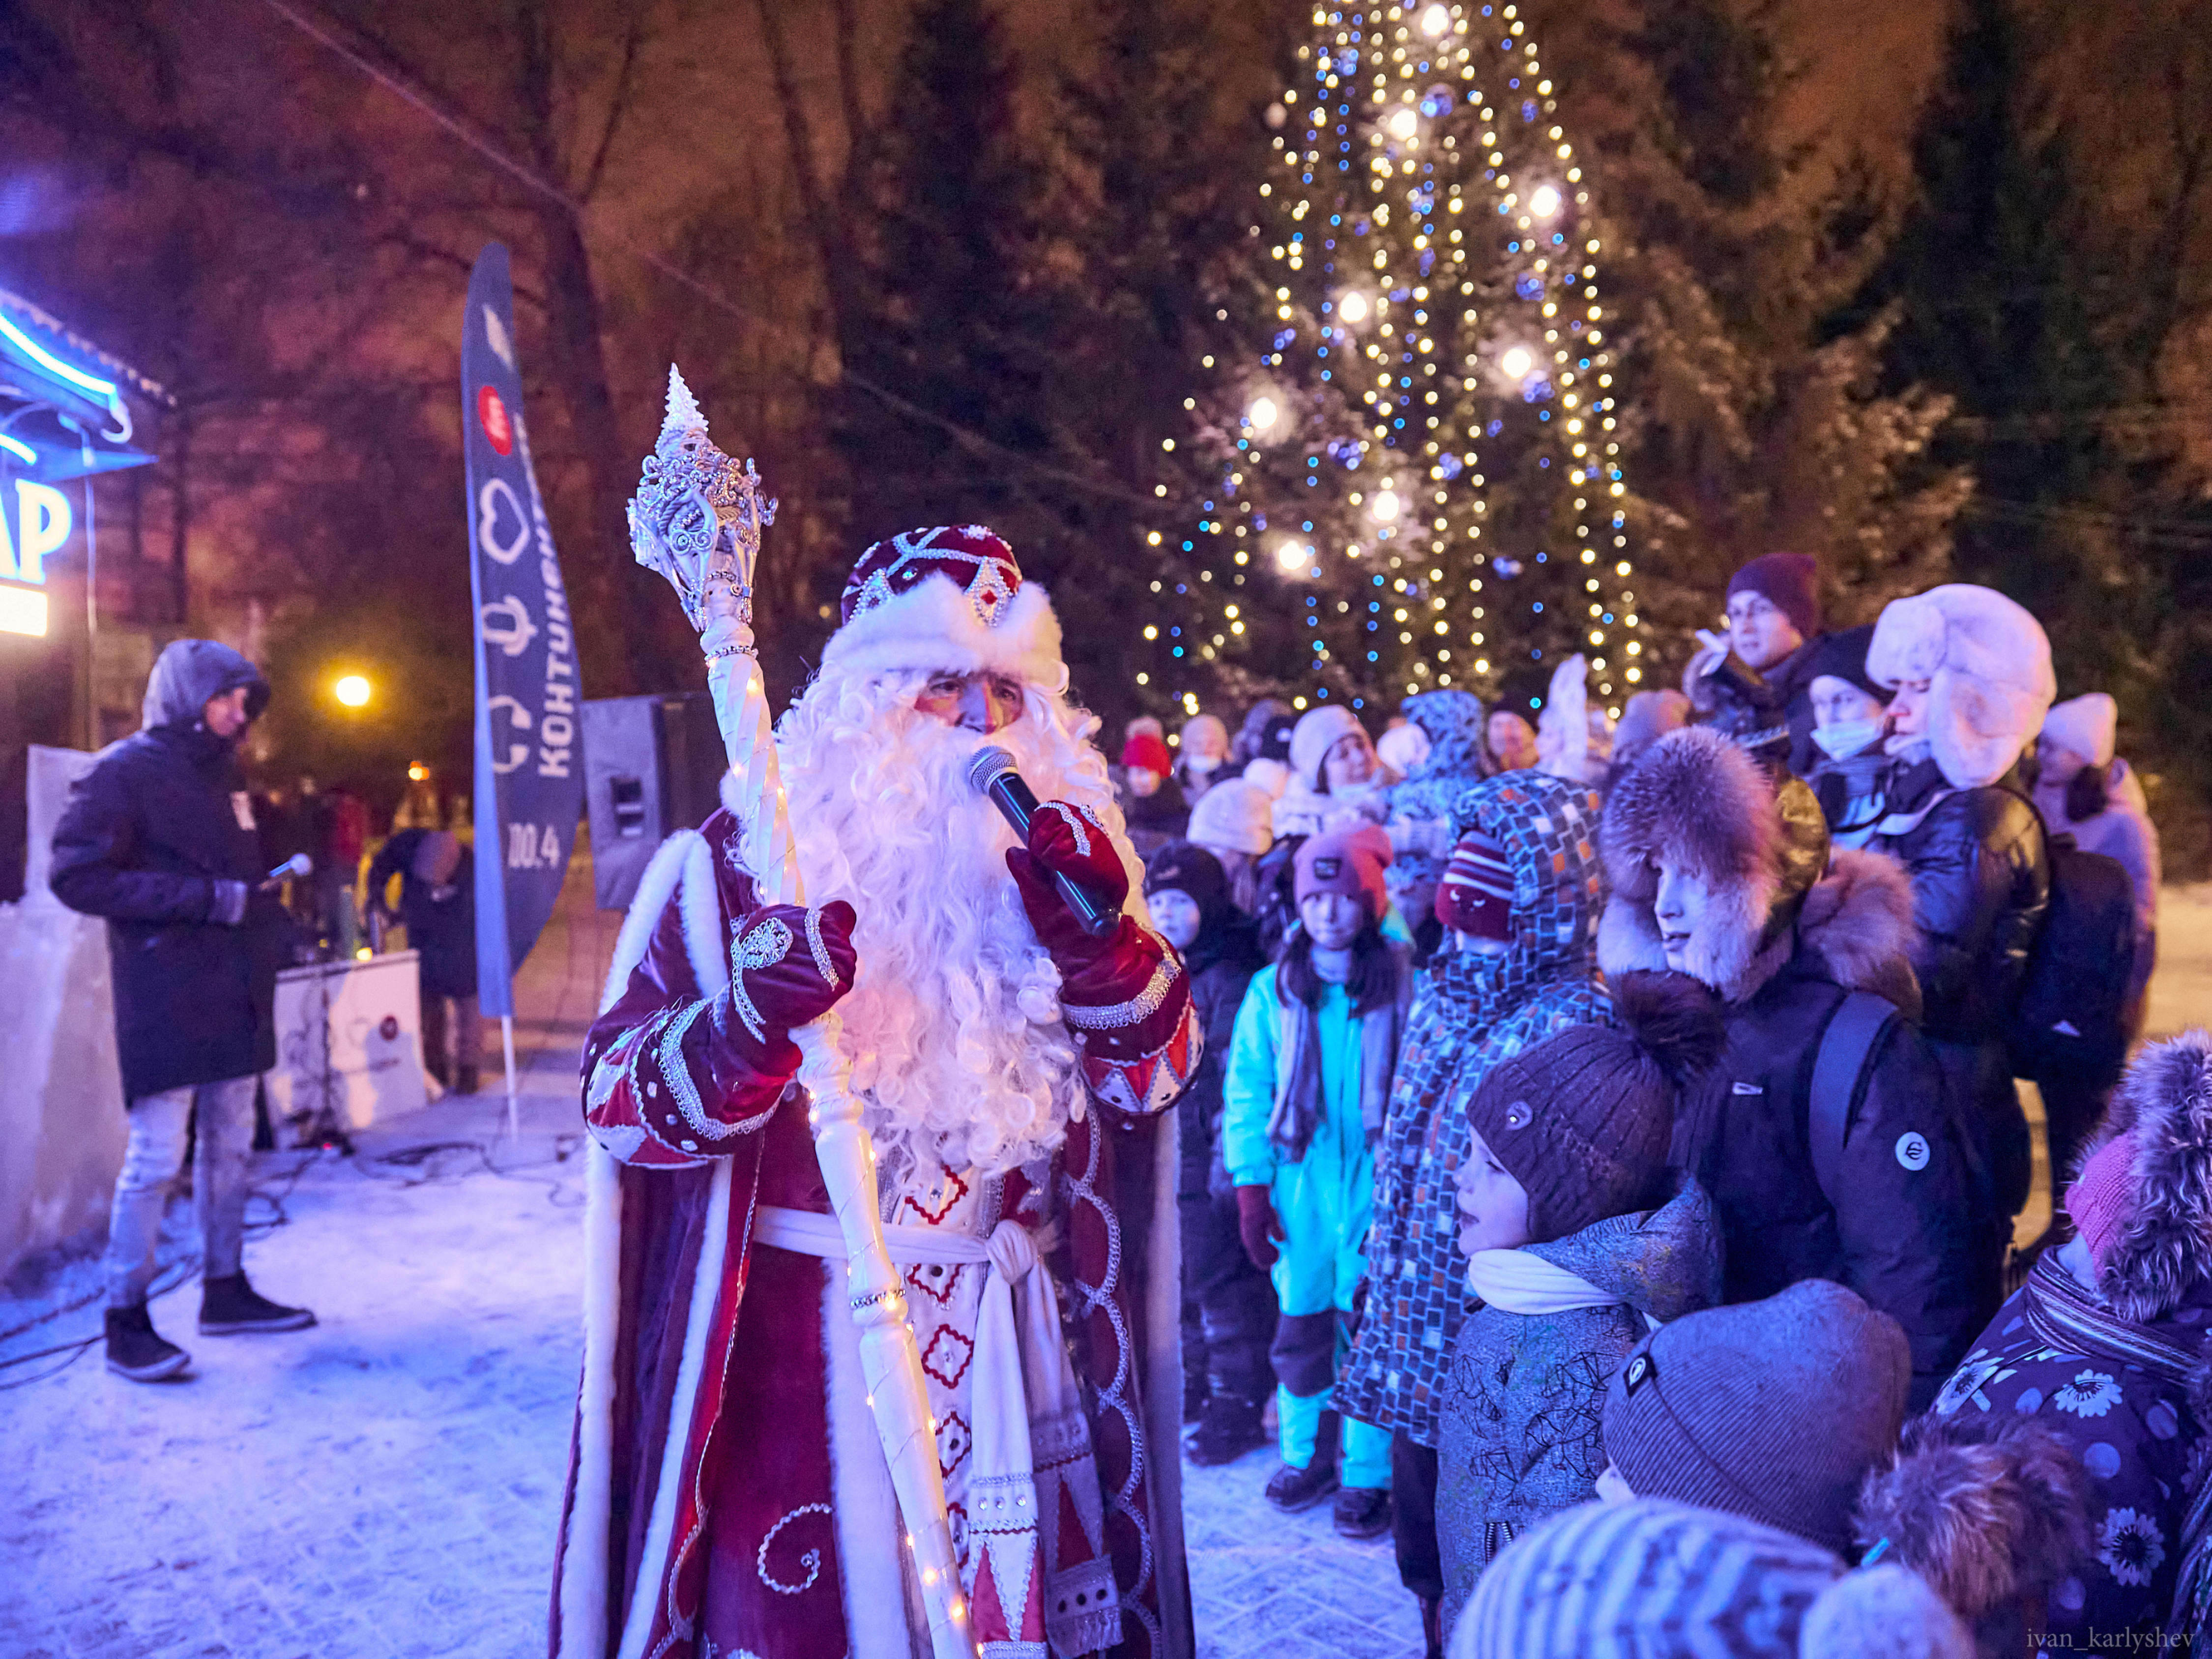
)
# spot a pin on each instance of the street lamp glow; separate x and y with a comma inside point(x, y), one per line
point(1384, 508)
point(1405, 124)
point(1435, 20)
point(1352, 307)
point(1263, 415)
point(1544, 202)
point(1517, 362)
point(352, 690)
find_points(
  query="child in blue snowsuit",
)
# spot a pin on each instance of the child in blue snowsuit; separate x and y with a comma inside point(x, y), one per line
point(1309, 1076)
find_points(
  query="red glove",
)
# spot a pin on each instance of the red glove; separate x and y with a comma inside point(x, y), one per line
point(1064, 841)
point(1257, 1226)
point(789, 967)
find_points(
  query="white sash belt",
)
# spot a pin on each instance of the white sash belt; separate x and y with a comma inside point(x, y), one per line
point(1024, 1403)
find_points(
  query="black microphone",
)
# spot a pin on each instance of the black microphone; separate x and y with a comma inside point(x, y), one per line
point(991, 773)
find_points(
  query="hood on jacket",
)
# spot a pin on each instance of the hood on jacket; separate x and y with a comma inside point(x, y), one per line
point(1548, 830)
point(1696, 799)
point(189, 672)
point(2165, 1245)
point(1990, 1509)
point(1664, 1262)
point(1452, 721)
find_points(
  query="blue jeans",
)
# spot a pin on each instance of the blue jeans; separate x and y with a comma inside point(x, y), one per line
point(223, 1136)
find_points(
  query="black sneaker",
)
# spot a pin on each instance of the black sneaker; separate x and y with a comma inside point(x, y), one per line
point(1293, 1490)
point(1362, 1512)
point(1230, 1428)
point(137, 1351)
point(231, 1307)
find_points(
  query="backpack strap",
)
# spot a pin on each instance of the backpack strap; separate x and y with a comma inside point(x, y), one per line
point(1854, 1031)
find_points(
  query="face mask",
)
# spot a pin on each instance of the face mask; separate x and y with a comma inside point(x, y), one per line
point(1838, 742)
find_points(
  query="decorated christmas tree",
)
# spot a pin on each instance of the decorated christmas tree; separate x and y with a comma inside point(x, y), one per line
point(1413, 482)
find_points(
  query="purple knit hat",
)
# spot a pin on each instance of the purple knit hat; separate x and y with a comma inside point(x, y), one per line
point(1791, 581)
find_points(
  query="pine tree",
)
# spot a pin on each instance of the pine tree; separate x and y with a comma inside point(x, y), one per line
point(1761, 419)
point(945, 311)
point(2021, 297)
point(1415, 476)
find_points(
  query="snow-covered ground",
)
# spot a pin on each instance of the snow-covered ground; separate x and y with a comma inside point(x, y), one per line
point(385, 1484)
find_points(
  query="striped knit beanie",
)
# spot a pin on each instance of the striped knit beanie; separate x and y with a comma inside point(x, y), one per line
point(1476, 894)
point(1775, 1410)
point(1654, 1579)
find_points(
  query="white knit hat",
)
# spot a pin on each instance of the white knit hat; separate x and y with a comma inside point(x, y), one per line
point(1233, 816)
point(2088, 726)
point(1316, 734)
point(1988, 665)
point(948, 598)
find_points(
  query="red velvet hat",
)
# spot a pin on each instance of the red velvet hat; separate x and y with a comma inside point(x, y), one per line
point(950, 598)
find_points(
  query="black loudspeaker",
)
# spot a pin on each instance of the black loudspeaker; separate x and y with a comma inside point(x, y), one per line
point(652, 766)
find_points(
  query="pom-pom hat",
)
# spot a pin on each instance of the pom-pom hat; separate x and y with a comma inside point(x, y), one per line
point(948, 600)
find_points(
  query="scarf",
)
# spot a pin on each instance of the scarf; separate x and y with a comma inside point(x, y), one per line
point(1300, 1107)
point(1522, 1283)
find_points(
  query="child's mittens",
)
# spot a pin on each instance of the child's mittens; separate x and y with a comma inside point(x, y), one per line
point(1257, 1226)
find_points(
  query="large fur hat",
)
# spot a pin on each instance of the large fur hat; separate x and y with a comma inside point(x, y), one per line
point(2164, 1104)
point(1987, 663)
point(949, 599)
point(1696, 799)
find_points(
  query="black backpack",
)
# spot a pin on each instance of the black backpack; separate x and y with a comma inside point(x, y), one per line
point(2071, 1020)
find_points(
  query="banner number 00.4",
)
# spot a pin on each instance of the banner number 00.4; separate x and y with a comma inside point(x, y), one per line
point(531, 847)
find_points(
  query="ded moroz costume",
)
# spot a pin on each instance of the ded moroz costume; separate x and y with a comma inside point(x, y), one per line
point(729, 1491)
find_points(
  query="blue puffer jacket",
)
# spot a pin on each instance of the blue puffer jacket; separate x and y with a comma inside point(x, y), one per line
point(1469, 1013)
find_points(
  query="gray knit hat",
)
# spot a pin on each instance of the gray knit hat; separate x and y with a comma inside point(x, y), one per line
point(1653, 1578)
point(1775, 1410)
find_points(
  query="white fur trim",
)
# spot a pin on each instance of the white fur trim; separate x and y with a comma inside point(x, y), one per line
point(660, 1539)
point(933, 625)
point(1164, 1392)
point(654, 889)
point(1987, 661)
point(584, 1566)
point(861, 1495)
point(703, 935)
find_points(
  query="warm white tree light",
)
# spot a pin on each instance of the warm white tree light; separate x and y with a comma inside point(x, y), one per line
point(1293, 557)
point(1263, 414)
point(1517, 362)
point(352, 690)
point(1544, 202)
point(1384, 509)
point(1352, 307)
point(1405, 124)
point(1435, 20)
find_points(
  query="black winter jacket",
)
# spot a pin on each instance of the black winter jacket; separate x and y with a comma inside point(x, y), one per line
point(1221, 963)
point(149, 831)
point(1981, 882)
point(441, 921)
point(1911, 1229)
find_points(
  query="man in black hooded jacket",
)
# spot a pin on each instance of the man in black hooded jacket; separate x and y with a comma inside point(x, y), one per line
point(159, 838)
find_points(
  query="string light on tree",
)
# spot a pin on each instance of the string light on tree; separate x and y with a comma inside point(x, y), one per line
point(1425, 452)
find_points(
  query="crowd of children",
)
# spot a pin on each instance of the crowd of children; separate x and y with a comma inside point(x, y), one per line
point(1605, 1157)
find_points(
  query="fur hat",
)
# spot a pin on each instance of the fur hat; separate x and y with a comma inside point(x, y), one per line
point(1789, 582)
point(1317, 732)
point(1989, 1510)
point(950, 598)
point(1696, 799)
point(1582, 1120)
point(1652, 1578)
point(1775, 1409)
point(2088, 726)
point(1987, 663)
point(1233, 816)
point(2164, 1247)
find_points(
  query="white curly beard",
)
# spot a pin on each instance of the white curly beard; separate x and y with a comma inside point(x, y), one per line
point(953, 1023)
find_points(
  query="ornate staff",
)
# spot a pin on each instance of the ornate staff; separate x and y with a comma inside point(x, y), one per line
point(697, 519)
